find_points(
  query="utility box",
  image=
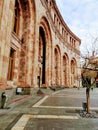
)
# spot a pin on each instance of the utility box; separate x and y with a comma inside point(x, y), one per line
point(18, 90)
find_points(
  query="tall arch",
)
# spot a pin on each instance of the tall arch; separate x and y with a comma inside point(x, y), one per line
point(44, 52)
point(65, 70)
point(23, 19)
point(73, 72)
point(57, 65)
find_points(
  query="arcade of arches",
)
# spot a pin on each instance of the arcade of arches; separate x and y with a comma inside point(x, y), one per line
point(36, 46)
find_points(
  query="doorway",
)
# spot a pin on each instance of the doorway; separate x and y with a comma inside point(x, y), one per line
point(11, 64)
point(42, 53)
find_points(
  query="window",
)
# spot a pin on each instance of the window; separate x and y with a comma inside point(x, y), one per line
point(54, 18)
point(72, 67)
point(16, 17)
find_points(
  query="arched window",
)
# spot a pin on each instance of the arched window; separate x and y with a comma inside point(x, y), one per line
point(72, 67)
point(16, 17)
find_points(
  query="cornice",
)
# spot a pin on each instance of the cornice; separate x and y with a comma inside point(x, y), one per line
point(64, 24)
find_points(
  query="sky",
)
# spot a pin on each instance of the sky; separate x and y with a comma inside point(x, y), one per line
point(81, 16)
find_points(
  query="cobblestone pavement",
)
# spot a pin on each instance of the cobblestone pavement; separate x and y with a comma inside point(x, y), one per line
point(51, 111)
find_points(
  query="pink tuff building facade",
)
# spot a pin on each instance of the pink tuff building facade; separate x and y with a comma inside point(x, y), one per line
point(35, 42)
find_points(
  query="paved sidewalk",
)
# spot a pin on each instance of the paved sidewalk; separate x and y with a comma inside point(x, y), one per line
point(16, 99)
point(17, 105)
point(48, 111)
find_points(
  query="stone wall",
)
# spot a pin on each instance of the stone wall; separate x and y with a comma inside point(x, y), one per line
point(42, 42)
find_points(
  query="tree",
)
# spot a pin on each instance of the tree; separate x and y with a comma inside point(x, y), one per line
point(89, 74)
point(89, 71)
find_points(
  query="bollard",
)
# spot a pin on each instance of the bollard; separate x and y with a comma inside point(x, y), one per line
point(3, 100)
point(84, 105)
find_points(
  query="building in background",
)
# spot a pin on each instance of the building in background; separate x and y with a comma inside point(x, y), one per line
point(36, 43)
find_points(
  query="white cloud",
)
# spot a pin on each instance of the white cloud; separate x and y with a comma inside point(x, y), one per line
point(82, 19)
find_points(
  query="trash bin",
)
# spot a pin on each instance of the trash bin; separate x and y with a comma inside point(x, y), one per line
point(4, 99)
point(84, 105)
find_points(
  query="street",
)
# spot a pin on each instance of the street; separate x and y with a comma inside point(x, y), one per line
point(53, 111)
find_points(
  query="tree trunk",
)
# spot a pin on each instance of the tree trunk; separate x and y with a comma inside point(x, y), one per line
point(88, 99)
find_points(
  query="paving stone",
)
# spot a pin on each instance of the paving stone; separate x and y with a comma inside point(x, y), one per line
point(9, 117)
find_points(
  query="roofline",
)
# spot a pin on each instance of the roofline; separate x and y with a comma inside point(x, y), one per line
point(63, 22)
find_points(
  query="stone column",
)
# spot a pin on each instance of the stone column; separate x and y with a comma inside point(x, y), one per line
point(62, 71)
point(35, 56)
point(5, 33)
point(59, 69)
point(69, 75)
point(29, 62)
point(53, 65)
point(48, 63)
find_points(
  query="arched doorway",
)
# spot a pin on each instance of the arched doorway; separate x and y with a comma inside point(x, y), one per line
point(57, 64)
point(42, 54)
point(73, 72)
point(65, 70)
